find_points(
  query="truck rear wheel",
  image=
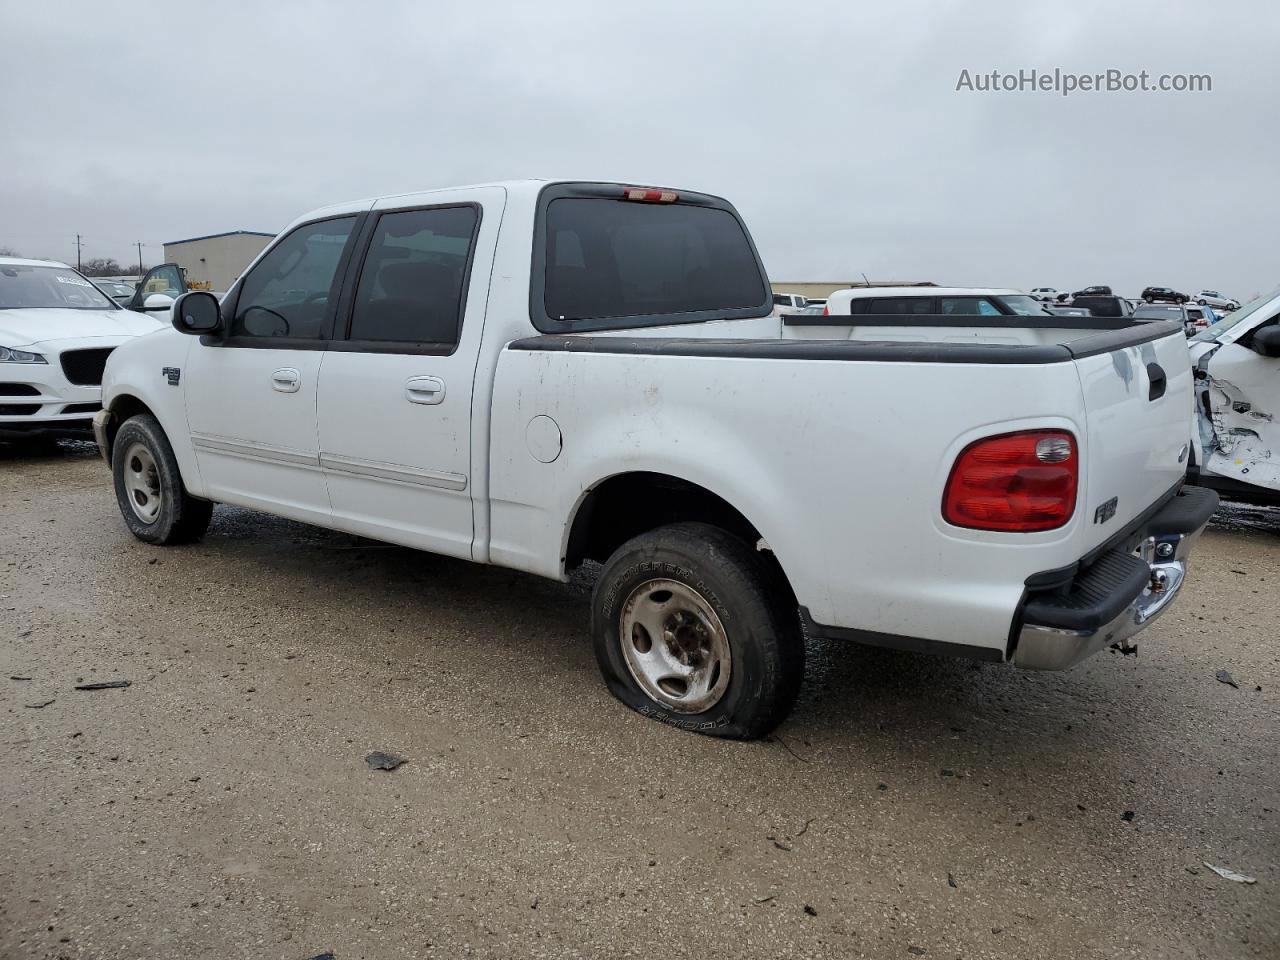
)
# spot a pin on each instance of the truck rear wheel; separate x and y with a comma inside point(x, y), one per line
point(691, 628)
point(155, 505)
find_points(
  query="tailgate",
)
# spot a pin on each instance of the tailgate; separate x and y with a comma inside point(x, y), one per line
point(1138, 430)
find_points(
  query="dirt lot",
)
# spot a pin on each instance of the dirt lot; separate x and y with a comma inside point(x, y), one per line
point(221, 806)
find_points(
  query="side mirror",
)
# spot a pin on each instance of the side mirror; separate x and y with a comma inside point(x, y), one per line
point(1267, 341)
point(197, 312)
point(157, 302)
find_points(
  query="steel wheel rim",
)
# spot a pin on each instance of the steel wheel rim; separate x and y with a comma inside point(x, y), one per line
point(675, 646)
point(142, 483)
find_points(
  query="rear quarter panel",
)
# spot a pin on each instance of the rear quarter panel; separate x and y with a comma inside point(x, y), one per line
point(840, 465)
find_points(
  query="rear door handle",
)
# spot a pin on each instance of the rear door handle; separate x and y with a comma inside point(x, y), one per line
point(1159, 381)
point(424, 390)
point(286, 380)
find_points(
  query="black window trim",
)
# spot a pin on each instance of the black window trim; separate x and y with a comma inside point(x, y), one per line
point(346, 300)
point(613, 191)
point(232, 300)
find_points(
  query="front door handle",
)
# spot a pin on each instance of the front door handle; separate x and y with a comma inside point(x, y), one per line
point(424, 390)
point(286, 380)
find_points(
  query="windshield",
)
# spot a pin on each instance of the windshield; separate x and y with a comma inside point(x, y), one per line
point(1231, 319)
point(23, 286)
point(1025, 306)
point(115, 289)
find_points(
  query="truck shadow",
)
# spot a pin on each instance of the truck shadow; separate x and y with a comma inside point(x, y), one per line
point(400, 605)
point(46, 451)
point(1244, 516)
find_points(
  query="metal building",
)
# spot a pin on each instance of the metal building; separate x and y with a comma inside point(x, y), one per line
point(213, 262)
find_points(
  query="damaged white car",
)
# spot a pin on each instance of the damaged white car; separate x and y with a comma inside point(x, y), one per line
point(1236, 435)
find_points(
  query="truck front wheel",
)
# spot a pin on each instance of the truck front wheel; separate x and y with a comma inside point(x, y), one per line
point(691, 628)
point(155, 505)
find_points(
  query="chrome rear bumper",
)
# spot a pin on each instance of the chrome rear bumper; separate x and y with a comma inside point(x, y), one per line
point(1042, 647)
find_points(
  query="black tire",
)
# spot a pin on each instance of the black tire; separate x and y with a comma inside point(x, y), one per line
point(179, 517)
point(1149, 299)
point(1202, 303)
point(761, 623)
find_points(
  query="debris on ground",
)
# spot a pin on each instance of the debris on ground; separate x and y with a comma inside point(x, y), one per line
point(324, 956)
point(1125, 648)
point(765, 899)
point(1224, 677)
point(786, 746)
point(916, 951)
point(780, 846)
point(1226, 874)
point(810, 911)
point(19, 678)
point(801, 831)
point(384, 761)
point(39, 706)
point(951, 882)
point(1128, 816)
point(105, 685)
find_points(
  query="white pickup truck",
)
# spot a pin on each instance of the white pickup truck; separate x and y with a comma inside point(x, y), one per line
point(538, 374)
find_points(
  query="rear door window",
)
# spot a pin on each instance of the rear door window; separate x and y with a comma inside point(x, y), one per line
point(969, 307)
point(609, 258)
point(916, 306)
point(412, 283)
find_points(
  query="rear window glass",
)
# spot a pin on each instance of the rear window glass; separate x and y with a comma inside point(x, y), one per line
point(613, 258)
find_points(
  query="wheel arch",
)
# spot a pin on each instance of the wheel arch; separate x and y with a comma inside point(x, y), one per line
point(122, 407)
point(625, 505)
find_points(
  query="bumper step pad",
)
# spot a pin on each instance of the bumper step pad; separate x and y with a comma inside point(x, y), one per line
point(1095, 597)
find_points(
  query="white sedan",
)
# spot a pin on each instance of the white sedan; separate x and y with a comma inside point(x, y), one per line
point(56, 331)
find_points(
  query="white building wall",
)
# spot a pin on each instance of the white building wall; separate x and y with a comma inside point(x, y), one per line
point(216, 261)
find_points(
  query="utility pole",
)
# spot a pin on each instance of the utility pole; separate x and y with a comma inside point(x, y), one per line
point(139, 258)
point(77, 251)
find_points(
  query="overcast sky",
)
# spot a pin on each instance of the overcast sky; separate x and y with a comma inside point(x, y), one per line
point(836, 128)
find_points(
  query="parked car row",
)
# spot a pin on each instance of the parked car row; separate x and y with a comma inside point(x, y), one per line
point(1211, 298)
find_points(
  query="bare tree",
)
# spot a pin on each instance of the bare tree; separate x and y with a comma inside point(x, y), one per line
point(102, 267)
point(9, 252)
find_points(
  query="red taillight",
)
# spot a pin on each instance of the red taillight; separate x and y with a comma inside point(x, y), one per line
point(645, 195)
point(1017, 481)
point(826, 312)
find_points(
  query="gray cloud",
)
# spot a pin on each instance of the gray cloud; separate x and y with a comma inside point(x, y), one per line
point(836, 129)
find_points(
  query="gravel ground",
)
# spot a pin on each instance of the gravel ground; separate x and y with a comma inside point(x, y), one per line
point(221, 805)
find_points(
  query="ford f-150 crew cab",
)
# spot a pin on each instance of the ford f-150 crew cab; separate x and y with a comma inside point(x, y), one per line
point(539, 374)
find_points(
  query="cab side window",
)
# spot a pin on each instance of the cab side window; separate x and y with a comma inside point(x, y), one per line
point(412, 282)
point(290, 291)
